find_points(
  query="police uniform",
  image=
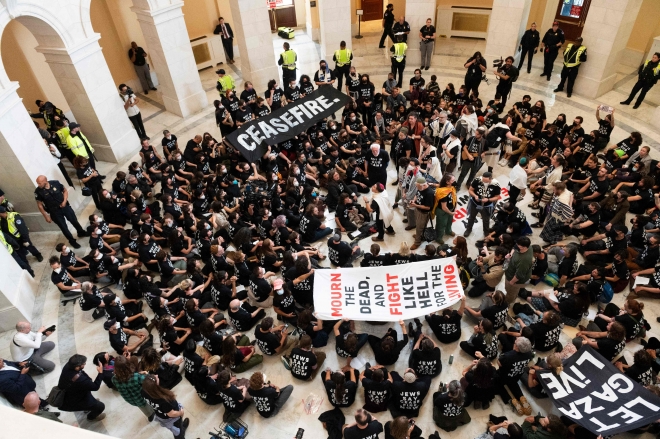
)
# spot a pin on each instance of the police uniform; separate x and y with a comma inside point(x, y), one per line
point(12, 223)
point(288, 60)
point(573, 57)
point(342, 59)
point(398, 61)
point(649, 72)
point(9, 243)
point(80, 146)
point(51, 199)
point(388, 22)
point(225, 82)
point(551, 50)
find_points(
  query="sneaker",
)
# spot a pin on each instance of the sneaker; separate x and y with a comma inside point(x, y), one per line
point(426, 68)
point(377, 239)
point(625, 102)
point(98, 418)
point(467, 232)
point(635, 107)
point(485, 405)
point(452, 234)
point(151, 417)
point(285, 361)
point(557, 90)
point(418, 323)
point(395, 205)
point(405, 220)
point(367, 365)
point(40, 257)
point(74, 244)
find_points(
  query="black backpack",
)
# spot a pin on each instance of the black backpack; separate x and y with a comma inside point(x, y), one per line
point(514, 73)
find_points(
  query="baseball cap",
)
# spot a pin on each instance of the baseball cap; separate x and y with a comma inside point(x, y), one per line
point(487, 174)
point(420, 180)
point(73, 125)
point(220, 71)
point(277, 284)
point(2, 209)
point(109, 324)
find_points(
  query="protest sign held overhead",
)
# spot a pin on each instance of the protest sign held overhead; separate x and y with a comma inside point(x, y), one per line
point(391, 293)
point(252, 139)
point(596, 395)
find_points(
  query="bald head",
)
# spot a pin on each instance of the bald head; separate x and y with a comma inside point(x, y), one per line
point(31, 402)
point(23, 327)
point(235, 304)
point(42, 181)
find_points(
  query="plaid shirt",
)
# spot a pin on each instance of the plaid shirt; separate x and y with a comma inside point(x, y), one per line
point(131, 389)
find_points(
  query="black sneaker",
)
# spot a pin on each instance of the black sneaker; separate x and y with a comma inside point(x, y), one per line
point(559, 347)
point(624, 102)
point(524, 294)
point(40, 257)
point(83, 234)
point(151, 417)
point(367, 366)
point(74, 244)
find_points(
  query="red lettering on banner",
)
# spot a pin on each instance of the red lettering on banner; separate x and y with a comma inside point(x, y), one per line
point(335, 294)
point(504, 192)
point(394, 297)
point(459, 214)
point(451, 286)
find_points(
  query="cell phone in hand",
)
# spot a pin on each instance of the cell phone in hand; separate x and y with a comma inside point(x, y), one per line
point(299, 433)
point(50, 329)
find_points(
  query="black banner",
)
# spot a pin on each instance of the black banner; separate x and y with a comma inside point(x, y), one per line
point(596, 395)
point(252, 138)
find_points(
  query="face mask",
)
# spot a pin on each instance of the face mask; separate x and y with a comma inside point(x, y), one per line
point(279, 292)
point(99, 221)
point(169, 224)
point(635, 169)
point(201, 197)
point(292, 85)
point(224, 171)
point(295, 183)
point(323, 66)
point(117, 325)
point(270, 214)
point(99, 256)
point(178, 157)
point(352, 119)
point(97, 231)
point(207, 226)
point(297, 172)
point(108, 195)
point(58, 270)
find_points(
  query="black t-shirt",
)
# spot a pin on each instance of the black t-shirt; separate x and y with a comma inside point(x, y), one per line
point(340, 253)
point(512, 364)
point(378, 164)
point(267, 341)
point(264, 400)
point(540, 267)
point(545, 336)
point(169, 144)
point(447, 330)
point(446, 407)
point(610, 348)
point(641, 375)
point(620, 270)
point(118, 340)
point(340, 346)
point(350, 388)
point(376, 395)
point(277, 98)
point(496, 314)
point(161, 406)
point(371, 431)
point(213, 343)
point(241, 319)
point(231, 397)
point(284, 303)
point(567, 267)
point(62, 277)
point(408, 397)
point(191, 364)
point(426, 198)
point(139, 56)
point(308, 226)
point(417, 82)
point(485, 191)
point(302, 363)
point(474, 71)
point(426, 363)
point(260, 288)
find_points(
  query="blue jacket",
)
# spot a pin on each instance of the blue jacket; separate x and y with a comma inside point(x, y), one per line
point(14, 385)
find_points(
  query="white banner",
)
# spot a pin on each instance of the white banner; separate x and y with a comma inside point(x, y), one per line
point(392, 293)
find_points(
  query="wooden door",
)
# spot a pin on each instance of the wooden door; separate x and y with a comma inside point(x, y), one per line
point(571, 15)
point(286, 17)
point(373, 10)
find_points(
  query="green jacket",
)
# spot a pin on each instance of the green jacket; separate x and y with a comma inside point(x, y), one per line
point(520, 266)
point(540, 433)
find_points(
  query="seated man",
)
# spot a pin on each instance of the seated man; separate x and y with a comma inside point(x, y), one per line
point(341, 253)
point(600, 248)
point(126, 341)
point(60, 277)
point(244, 316)
point(29, 345)
point(375, 259)
point(15, 382)
point(271, 339)
point(490, 270)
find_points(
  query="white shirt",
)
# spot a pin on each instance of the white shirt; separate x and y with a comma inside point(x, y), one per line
point(131, 111)
point(23, 345)
point(518, 177)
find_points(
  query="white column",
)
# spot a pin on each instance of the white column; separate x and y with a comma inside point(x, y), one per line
point(83, 75)
point(417, 12)
point(168, 45)
point(24, 157)
point(17, 292)
point(606, 32)
point(335, 26)
point(507, 24)
point(255, 42)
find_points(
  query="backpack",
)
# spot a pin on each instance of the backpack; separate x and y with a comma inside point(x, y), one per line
point(514, 73)
point(607, 294)
point(464, 276)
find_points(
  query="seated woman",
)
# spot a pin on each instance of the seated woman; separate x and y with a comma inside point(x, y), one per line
point(447, 325)
point(347, 342)
point(181, 245)
point(234, 394)
point(387, 348)
point(572, 302)
point(425, 358)
point(194, 357)
point(340, 386)
point(311, 227)
point(346, 212)
point(239, 358)
point(403, 256)
point(609, 343)
point(484, 341)
point(544, 334)
point(449, 411)
point(493, 307)
point(631, 317)
point(336, 187)
point(207, 387)
point(481, 377)
point(403, 427)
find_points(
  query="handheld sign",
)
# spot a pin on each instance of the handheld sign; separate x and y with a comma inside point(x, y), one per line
point(252, 139)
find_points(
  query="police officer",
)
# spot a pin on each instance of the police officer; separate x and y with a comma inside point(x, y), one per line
point(506, 74)
point(388, 22)
point(552, 41)
point(78, 144)
point(9, 243)
point(574, 55)
point(288, 60)
point(225, 82)
point(399, 58)
point(402, 28)
point(529, 45)
point(12, 223)
point(50, 114)
point(342, 59)
point(649, 72)
point(52, 201)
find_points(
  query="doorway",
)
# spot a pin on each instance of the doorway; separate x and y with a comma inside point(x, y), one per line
point(571, 15)
point(373, 10)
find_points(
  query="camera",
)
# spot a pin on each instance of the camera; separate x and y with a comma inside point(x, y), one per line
point(498, 63)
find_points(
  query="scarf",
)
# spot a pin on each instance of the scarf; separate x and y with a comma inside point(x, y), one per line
point(386, 212)
point(434, 169)
point(323, 74)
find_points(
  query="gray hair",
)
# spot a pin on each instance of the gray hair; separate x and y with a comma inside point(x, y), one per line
point(22, 326)
point(523, 344)
point(87, 286)
point(444, 113)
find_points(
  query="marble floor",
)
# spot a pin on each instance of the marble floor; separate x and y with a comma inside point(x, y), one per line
point(74, 335)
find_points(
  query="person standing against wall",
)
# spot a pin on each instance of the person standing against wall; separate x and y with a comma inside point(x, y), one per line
point(427, 43)
point(574, 55)
point(552, 41)
point(138, 57)
point(649, 72)
point(224, 30)
point(342, 59)
point(388, 22)
point(529, 45)
point(132, 110)
point(52, 201)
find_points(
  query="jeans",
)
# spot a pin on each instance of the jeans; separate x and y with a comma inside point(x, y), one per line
point(427, 52)
point(138, 125)
point(472, 216)
point(285, 393)
point(60, 216)
point(467, 166)
point(322, 233)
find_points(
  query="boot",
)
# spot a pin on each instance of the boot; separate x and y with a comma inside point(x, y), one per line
point(517, 406)
point(526, 407)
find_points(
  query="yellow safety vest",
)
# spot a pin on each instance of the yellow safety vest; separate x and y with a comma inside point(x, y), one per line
point(4, 242)
point(63, 134)
point(400, 51)
point(227, 83)
point(11, 224)
point(656, 69)
point(77, 146)
point(342, 57)
point(289, 59)
point(577, 54)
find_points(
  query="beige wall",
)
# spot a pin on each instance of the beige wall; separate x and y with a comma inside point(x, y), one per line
point(27, 66)
point(536, 14)
point(201, 17)
point(114, 50)
point(647, 27)
point(473, 3)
